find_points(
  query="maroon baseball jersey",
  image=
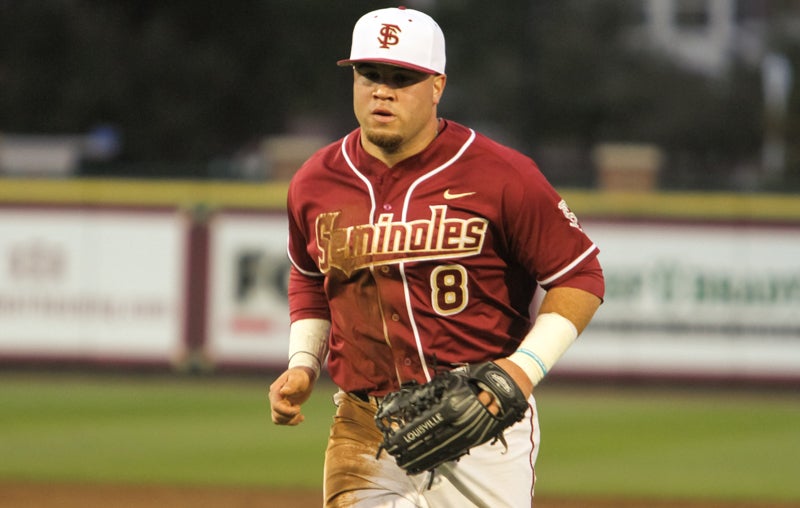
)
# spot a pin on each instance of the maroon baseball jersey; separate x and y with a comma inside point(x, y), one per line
point(431, 263)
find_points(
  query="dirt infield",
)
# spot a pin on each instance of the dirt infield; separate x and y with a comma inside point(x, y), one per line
point(22, 495)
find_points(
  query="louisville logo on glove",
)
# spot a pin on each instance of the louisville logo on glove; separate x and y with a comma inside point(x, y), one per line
point(425, 425)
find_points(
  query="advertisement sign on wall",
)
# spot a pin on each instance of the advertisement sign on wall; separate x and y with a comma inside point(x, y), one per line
point(697, 299)
point(104, 285)
point(248, 310)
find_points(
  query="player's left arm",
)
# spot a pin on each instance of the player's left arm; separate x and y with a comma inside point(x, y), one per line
point(578, 297)
point(550, 242)
point(564, 314)
point(566, 310)
point(576, 305)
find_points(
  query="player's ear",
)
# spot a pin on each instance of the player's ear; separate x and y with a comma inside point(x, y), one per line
point(439, 82)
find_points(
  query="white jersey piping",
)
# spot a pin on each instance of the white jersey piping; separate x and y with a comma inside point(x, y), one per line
point(567, 268)
point(304, 272)
point(362, 177)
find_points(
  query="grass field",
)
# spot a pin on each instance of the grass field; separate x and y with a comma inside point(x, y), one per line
point(215, 430)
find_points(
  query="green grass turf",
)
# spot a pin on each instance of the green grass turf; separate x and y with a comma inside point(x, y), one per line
point(697, 444)
point(216, 430)
point(159, 429)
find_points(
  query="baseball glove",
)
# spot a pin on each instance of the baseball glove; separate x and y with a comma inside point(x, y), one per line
point(425, 425)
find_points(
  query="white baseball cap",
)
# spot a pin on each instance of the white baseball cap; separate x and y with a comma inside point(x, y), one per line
point(398, 36)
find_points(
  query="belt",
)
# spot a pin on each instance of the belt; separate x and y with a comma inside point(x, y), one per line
point(363, 396)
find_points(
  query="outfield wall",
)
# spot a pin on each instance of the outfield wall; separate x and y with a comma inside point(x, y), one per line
point(694, 299)
point(86, 284)
point(194, 274)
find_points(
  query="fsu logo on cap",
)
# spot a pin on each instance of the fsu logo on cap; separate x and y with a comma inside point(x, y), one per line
point(389, 35)
point(421, 48)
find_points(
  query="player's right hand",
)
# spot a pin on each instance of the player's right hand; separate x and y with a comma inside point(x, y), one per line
point(288, 393)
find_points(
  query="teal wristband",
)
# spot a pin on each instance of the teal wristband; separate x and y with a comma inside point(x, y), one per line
point(535, 358)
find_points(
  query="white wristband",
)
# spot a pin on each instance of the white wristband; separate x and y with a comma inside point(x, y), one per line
point(308, 343)
point(547, 341)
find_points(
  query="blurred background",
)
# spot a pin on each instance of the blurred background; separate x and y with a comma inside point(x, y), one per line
point(206, 90)
point(145, 150)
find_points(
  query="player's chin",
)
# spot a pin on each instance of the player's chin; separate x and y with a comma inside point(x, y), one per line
point(388, 141)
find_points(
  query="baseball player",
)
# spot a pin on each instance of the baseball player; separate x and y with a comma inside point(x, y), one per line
point(417, 246)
